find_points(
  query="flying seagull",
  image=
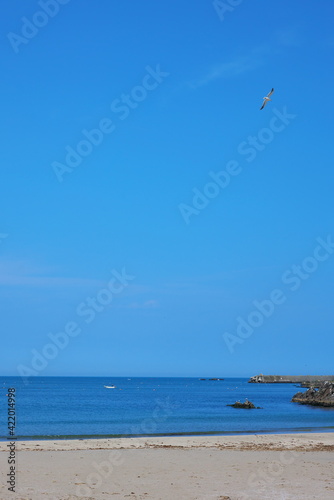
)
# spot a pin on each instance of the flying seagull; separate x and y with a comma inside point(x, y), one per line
point(267, 98)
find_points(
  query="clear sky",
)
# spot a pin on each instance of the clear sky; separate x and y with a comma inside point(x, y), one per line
point(154, 221)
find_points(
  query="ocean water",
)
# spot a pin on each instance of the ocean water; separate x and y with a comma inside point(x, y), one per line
point(65, 407)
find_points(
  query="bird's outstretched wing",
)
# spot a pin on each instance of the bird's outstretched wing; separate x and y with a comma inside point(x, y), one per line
point(271, 92)
point(263, 105)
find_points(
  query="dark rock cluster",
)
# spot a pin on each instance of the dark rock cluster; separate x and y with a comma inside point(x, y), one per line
point(247, 404)
point(323, 396)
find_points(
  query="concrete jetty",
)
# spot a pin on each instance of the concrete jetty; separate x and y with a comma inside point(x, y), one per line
point(289, 379)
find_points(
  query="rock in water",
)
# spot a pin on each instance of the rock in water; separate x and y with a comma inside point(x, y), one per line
point(324, 396)
point(247, 404)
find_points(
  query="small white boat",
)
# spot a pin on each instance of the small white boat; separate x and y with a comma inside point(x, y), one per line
point(110, 386)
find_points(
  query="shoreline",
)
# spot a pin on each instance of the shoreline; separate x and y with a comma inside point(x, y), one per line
point(81, 437)
point(307, 441)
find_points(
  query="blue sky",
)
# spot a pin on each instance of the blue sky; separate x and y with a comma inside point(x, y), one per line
point(176, 90)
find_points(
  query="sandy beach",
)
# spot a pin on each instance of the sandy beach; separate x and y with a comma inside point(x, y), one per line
point(253, 467)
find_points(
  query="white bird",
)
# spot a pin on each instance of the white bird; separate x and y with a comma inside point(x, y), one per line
point(267, 98)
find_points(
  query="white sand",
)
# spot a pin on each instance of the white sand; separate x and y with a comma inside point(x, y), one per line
point(254, 467)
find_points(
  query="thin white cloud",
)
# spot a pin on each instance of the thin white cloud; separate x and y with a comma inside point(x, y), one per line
point(28, 275)
point(235, 67)
point(148, 304)
point(255, 58)
point(47, 281)
point(289, 37)
point(24, 273)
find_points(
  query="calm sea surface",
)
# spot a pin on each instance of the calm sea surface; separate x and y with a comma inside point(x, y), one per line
point(83, 407)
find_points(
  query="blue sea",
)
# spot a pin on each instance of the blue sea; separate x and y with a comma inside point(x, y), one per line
point(69, 407)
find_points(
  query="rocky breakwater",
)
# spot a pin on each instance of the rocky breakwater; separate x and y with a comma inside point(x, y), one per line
point(289, 379)
point(323, 396)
